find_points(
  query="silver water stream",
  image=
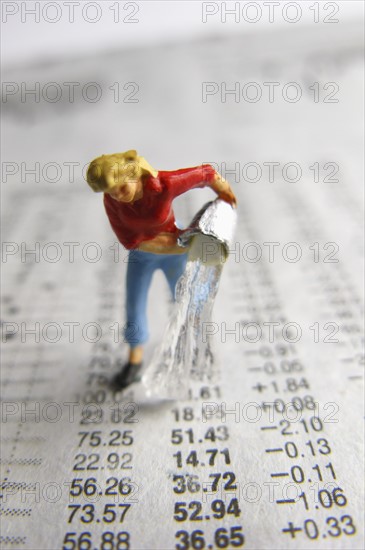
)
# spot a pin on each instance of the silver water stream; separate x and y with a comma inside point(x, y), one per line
point(185, 354)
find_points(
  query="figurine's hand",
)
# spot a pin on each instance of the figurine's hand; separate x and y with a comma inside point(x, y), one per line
point(223, 190)
point(228, 196)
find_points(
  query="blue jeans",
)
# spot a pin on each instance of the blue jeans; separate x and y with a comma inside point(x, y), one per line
point(141, 266)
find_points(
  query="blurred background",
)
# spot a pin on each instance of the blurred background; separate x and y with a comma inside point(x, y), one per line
point(150, 62)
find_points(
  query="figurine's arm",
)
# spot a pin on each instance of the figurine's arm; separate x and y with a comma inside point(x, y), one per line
point(181, 181)
point(163, 243)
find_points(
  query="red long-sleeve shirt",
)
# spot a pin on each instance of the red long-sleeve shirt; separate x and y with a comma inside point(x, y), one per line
point(145, 218)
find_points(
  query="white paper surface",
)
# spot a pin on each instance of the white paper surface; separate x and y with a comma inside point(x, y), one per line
point(271, 455)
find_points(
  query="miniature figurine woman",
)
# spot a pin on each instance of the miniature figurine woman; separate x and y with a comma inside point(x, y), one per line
point(138, 202)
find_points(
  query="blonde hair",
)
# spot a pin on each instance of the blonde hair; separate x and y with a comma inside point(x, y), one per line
point(107, 171)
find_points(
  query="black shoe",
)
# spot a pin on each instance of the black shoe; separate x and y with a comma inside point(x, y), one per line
point(129, 374)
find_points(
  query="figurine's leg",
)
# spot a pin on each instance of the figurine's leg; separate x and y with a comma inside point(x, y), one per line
point(173, 267)
point(141, 266)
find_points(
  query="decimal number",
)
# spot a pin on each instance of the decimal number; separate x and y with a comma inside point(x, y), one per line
point(114, 439)
point(92, 413)
point(220, 433)
point(192, 511)
point(210, 459)
point(86, 513)
point(191, 484)
point(223, 538)
point(108, 541)
point(111, 462)
point(333, 527)
point(113, 486)
point(297, 403)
